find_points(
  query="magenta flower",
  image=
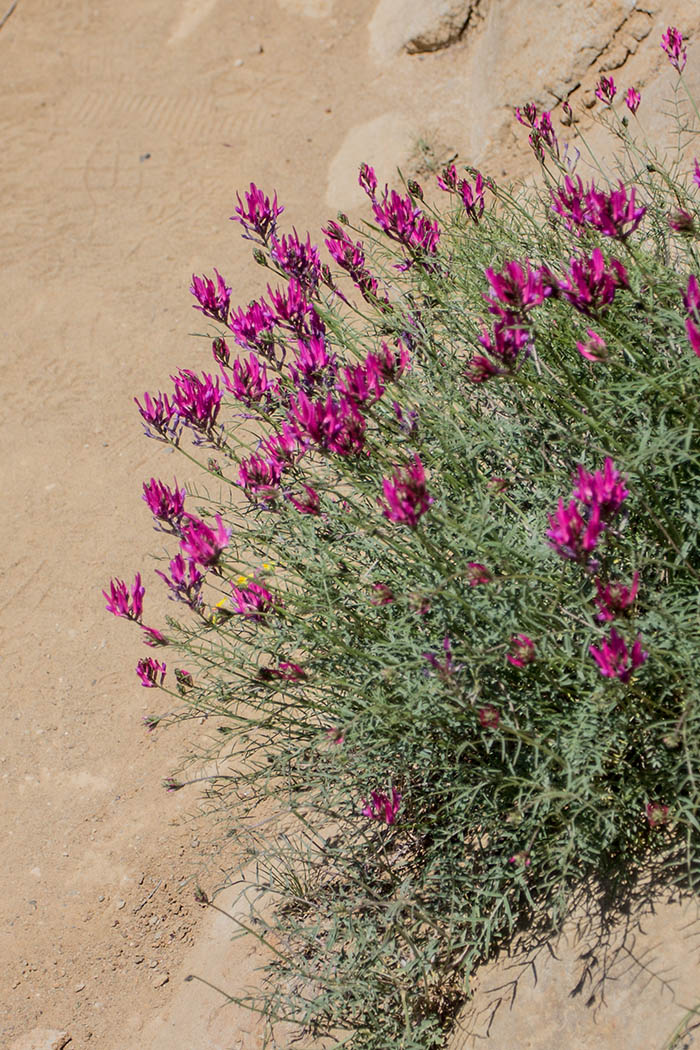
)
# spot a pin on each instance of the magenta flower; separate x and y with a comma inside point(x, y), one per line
point(159, 415)
point(691, 296)
point(632, 100)
point(604, 489)
point(514, 290)
point(504, 342)
point(522, 857)
point(405, 223)
point(406, 498)
point(350, 256)
point(214, 298)
point(473, 197)
point(522, 650)
point(124, 602)
point(613, 658)
point(184, 582)
point(283, 447)
point(362, 383)
point(672, 44)
point(150, 671)
point(382, 807)
point(383, 594)
point(479, 369)
point(696, 173)
point(489, 717)
point(334, 425)
point(298, 259)
point(260, 478)
point(477, 574)
point(656, 814)
point(570, 535)
point(606, 90)
point(285, 671)
point(691, 301)
point(153, 638)
point(165, 504)
point(594, 348)
point(615, 597)
point(253, 601)
point(197, 400)
point(258, 216)
point(294, 311)
point(393, 363)
point(446, 666)
point(541, 130)
point(589, 285)
point(310, 504)
point(220, 351)
point(313, 365)
point(252, 328)
point(202, 544)
point(184, 678)
point(613, 214)
point(368, 180)
point(249, 382)
point(693, 333)
point(681, 221)
point(447, 181)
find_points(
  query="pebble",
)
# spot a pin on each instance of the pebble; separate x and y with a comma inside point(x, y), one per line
point(160, 979)
point(79, 987)
point(121, 904)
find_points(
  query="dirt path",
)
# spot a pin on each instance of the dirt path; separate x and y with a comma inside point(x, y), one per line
point(126, 129)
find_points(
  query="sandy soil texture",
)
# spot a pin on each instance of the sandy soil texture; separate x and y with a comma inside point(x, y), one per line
point(126, 129)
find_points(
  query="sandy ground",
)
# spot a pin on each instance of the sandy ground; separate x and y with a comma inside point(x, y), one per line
point(126, 128)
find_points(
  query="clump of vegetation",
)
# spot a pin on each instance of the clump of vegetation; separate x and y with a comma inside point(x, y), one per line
point(438, 579)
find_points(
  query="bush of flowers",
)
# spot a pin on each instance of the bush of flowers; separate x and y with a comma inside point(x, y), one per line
point(437, 578)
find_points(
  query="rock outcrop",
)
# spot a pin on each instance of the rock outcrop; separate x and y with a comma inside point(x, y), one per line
point(418, 25)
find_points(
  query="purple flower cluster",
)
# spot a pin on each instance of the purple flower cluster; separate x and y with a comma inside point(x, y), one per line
point(249, 382)
point(202, 544)
point(197, 400)
point(614, 659)
point(258, 216)
point(472, 196)
point(214, 297)
point(151, 672)
point(691, 301)
point(349, 255)
point(576, 527)
point(125, 602)
point(672, 44)
point(614, 214)
point(166, 504)
point(382, 807)
point(252, 601)
point(542, 133)
point(401, 220)
point(590, 285)
point(298, 259)
point(184, 582)
point(406, 497)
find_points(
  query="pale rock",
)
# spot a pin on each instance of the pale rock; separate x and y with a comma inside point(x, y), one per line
point(387, 142)
point(594, 987)
point(41, 1039)
point(417, 25)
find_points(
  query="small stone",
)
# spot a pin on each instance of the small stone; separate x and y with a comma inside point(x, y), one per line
point(101, 898)
point(121, 904)
point(79, 987)
point(160, 979)
point(138, 960)
point(238, 63)
point(41, 1039)
point(153, 963)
